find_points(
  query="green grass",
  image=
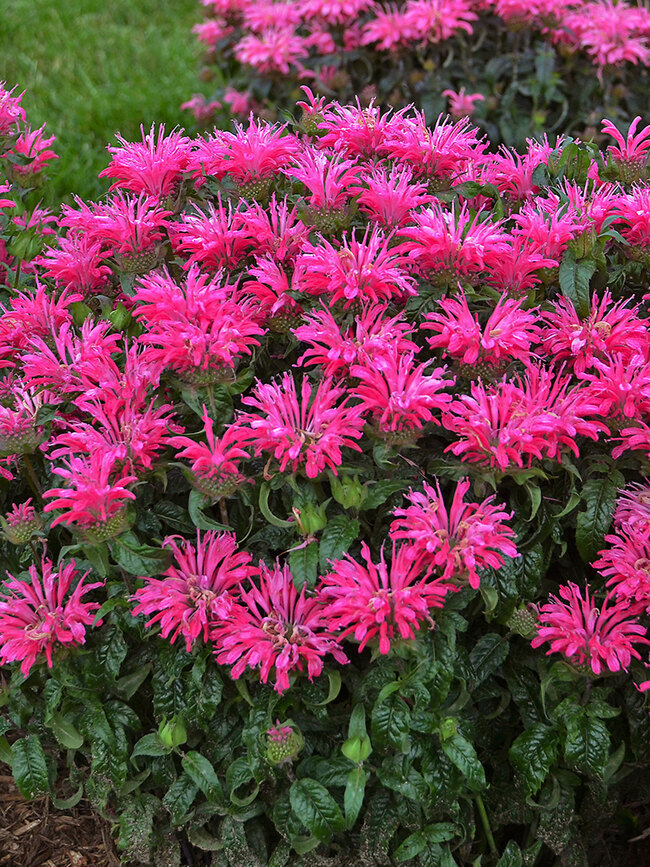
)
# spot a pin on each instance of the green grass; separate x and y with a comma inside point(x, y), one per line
point(91, 68)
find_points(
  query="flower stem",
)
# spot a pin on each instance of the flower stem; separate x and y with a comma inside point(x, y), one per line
point(32, 478)
point(486, 824)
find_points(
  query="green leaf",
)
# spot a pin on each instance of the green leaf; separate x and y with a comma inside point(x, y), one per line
point(137, 559)
point(6, 755)
point(175, 516)
point(427, 838)
point(112, 651)
point(599, 495)
point(150, 745)
point(533, 754)
point(511, 857)
point(303, 563)
point(179, 798)
point(462, 754)
point(487, 655)
point(265, 490)
point(353, 796)
point(316, 809)
point(574, 281)
point(200, 771)
point(65, 732)
point(29, 767)
point(379, 492)
point(200, 838)
point(195, 504)
point(337, 537)
point(586, 747)
point(390, 723)
point(72, 801)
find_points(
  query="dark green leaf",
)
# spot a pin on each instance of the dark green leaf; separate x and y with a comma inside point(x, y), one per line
point(462, 754)
point(200, 771)
point(574, 281)
point(149, 745)
point(195, 504)
point(380, 491)
point(112, 651)
point(511, 857)
point(29, 767)
point(175, 516)
point(337, 537)
point(353, 795)
point(599, 495)
point(586, 747)
point(179, 798)
point(316, 809)
point(65, 732)
point(390, 723)
point(303, 563)
point(137, 559)
point(487, 655)
point(533, 754)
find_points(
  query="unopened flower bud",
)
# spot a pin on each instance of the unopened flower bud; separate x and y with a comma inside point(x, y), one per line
point(283, 743)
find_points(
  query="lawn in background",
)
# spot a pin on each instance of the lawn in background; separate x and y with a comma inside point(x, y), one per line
point(91, 68)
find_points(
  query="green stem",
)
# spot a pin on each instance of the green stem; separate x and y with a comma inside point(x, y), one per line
point(486, 825)
point(32, 478)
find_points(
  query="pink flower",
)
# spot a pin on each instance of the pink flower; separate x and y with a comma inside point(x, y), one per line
point(457, 543)
point(278, 309)
point(309, 430)
point(77, 264)
point(275, 628)
point(626, 563)
point(273, 50)
point(130, 227)
point(631, 152)
point(329, 180)
point(611, 33)
point(195, 592)
point(438, 20)
point(215, 464)
point(507, 335)
point(377, 602)
point(333, 12)
point(217, 239)
point(153, 166)
point(11, 112)
point(20, 524)
point(390, 197)
point(36, 616)
point(275, 229)
point(356, 131)
point(516, 269)
point(96, 493)
point(212, 31)
point(549, 225)
point(390, 28)
point(202, 110)
point(240, 102)
point(633, 212)
point(401, 395)
point(462, 104)
point(370, 338)
point(32, 145)
point(360, 272)
point(588, 635)
point(620, 388)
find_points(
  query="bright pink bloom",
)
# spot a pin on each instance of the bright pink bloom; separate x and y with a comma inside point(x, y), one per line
point(275, 229)
point(458, 542)
point(212, 31)
point(389, 197)
point(96, 491)
point(240, 102)
point(631, 152)
point(633, 510)
point(438, 20)
point(548, 225)
point(634, 438)
point(633, 213)
point(333, 12)
point(380, 603)
point(273, 50)
point(154, 166)
point(77, 264)
point(587, 634)
point(620, 388)
point(355, 131)
point(195, 591)
point(508, 333)
point(626, 563)
point(202, 110)
point(517, 268)
point(390, 28)
point(611, 33)
point(275, 628)
point(217, 239)
point(277, 308)
point(32, 145)
point(329, 180)
point(11, 112)
point(462, 104)
point(19, 433)
point(130, 226)
point(367, 341)
point(36, 616)
point(307, 430)
point(20, 524)
point(401, 395)
point(358, 273)
point(610, 330)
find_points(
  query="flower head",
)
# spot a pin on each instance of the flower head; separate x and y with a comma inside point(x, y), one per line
point(39, 614)
point(154, 166)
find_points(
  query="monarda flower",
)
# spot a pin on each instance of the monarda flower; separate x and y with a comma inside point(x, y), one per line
point(133, 229)
point(95, 498)
point(329, 181)
point(36, 150)
point(507, 335)
point(438, 20)
point(358, 273)
point(458, 542)
point(21, 523)
point(462, 104)
point(610, 330)
point(378, 603)
point(275, 629)
point(588, 635)
point(216, 239)
point(630, 153)
point(19, 432)
point(154, 166)
point(77, 264)
point(195, 591)
point(271, 288)
point(389, 197)
point(215, 469)
point(401, 395)
point(633, 509)
point(302, 431)
point(620, 388)
point(273, 50)
point(275, 229)
point(38, 615)
point(370, 337)
point(11, 112)
point(626, 565)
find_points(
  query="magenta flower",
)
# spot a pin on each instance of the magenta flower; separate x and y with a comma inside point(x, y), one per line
point(401, 395)
point(275, 628)
point(36, 616)
point(626, 565)
point(588, 635)
point(631, 152)
point(33, 145)
point(458, 542)
point(438, 20)
point(11, 112)
point(273, 50)
point(390, 197)
point(77, 264)
point(328, 180)
point(20, 524)
point(217, 239)
point(462, 104)
point(195, 592)
point(380, 603)
point(154, 166)
point(307, 430)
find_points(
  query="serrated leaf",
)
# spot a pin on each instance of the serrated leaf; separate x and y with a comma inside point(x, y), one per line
point(489, 652)
point(380, 491)
point(137, 559)
point(533, 754)
point(574, 281)
point(337, 537)
point(586, 747)
point(511, 857)
point(200, 770)
point(463, 755)
point(29, 767)
point(353, 796)
point(599, 495)
point(150, 745)
point(303, 563)
point(179, 798)
point(390, 723)
point(316, 809)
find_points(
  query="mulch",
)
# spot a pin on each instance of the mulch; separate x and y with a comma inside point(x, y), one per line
point(35, 834)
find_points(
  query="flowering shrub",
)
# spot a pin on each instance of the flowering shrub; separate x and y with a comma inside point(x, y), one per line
point(550, 66)
point(324, 468)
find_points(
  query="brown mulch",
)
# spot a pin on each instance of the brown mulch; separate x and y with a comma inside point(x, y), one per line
point(35, 834)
